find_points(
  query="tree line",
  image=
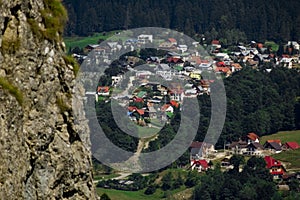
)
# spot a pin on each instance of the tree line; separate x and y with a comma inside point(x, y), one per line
point(229, 21)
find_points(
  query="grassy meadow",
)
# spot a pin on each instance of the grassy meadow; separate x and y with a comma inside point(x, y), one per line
point(290, 158)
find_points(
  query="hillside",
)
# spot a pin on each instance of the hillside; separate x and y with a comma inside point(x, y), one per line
point(284, 136)
point(290, 158)
point(226, 20)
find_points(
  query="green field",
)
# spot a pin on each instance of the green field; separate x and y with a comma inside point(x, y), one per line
point(291, 158)
point(137, 195)
point(129, 195)
point(81, 42)
point(273, 45)
point(106, 176)
point(284, 136)
point(159, 194)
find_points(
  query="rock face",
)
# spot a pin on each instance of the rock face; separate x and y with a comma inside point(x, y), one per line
point(42, 155)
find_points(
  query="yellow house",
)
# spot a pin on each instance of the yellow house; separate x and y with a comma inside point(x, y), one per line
point(195, 75)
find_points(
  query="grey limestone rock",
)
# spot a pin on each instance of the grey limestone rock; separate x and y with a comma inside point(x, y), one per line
point(42, 155)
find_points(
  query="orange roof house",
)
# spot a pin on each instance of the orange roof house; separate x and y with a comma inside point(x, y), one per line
point(222, 69)
point(141, 111)
point(172, 41)
point(250, 138)
point(132, 108)
point(103, 89)
point(236, 66)
point(260, 45)
point(174, 103)
point(164, 107)
point(276, 141)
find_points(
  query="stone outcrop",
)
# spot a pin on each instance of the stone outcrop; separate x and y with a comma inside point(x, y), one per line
point(42, 155)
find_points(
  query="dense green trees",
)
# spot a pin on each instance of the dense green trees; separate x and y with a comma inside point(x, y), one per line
point(260, 102)
point(104, 196)
point(254, 182)
point(227, 20)
point(111, 129)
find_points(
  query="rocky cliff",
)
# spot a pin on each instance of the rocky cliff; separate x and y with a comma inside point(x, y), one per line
point(42, 155)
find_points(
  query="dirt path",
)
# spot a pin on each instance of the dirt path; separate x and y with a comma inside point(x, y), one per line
point(125, 92)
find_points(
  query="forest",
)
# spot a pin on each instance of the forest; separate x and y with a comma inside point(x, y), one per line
point(257, 101)
point(230, 21)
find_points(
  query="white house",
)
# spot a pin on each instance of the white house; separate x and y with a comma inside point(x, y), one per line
point(143, 39)
point(143, 74)
point(287, 62)
point(294, 44)
point(116, 79)
point(182, 47)
point(222, 56)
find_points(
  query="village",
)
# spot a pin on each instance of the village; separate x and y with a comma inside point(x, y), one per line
point(179, 62)
point(149, 100)
point(202, 153)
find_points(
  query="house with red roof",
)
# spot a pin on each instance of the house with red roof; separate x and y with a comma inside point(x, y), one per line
point(175, 60)
point(260, 45)
point(167, 108)
point(174, 103)
point(103, 90)
point(291, 145)
point(173, 41)
point(221, 64)
point(135, 113)
point(223, 70)
point(199, 165)
point(132, 108)
point(141, 112)
point(275, 167)
point(216, 45)
point(137, 99)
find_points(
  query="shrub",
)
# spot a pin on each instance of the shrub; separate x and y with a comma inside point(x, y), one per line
point(150, 190)
point(54, 18)
point(62, 105)
point(104, 196)
point(11, 89)
point(71, 61)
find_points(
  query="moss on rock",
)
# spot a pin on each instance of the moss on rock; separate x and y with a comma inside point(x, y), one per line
point(54, 18)
point(11, 89)
point(71, 61)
